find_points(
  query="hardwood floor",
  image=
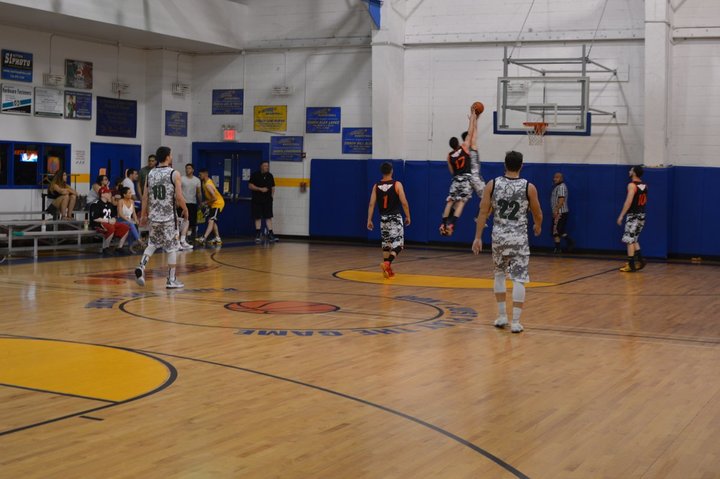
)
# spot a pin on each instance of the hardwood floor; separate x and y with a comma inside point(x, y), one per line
point(293, 361)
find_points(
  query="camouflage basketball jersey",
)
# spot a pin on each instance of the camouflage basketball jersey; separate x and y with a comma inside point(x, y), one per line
point(510, 205)
point(161, 194)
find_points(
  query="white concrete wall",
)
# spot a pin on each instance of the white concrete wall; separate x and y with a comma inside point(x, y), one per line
point(78, 133)
point(219, 22)
point(324, 77)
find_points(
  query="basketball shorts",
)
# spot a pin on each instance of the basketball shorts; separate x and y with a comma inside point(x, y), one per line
point(560, 224)
point(262, 210)
point(192, 214)
point(515, 265)
point(392, 232)
point(164, 235)
point(476, 179)
point(634, 224)
point(460, 188)
point(213, 214)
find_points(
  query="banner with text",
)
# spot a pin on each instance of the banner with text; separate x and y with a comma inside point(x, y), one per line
point(17, 66)
point(286, 148)
point(270, 118)
point(357, 141)
point(322, 119)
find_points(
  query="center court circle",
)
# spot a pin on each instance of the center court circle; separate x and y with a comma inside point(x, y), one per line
point(281, 307)
point(280, 310)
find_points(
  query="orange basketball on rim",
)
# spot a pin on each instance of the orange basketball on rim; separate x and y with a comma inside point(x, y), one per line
point(478, 108)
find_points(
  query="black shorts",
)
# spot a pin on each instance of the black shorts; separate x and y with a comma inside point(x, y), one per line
point(213, 214)
point(560, 224)
point(262, 210)
point(192, 214)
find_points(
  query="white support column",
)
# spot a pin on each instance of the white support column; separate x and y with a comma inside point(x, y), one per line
point(658, 59)
point(388, 66)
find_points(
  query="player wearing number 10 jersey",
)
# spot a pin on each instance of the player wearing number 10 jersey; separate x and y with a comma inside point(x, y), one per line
point(509, 197)
point(162, 196)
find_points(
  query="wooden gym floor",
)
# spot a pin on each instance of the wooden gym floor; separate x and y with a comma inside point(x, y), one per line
point(299, 361)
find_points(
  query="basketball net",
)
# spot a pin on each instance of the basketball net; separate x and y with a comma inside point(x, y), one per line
point(536, 132)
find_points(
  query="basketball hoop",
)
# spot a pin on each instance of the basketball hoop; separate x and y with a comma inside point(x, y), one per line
point(536, 132)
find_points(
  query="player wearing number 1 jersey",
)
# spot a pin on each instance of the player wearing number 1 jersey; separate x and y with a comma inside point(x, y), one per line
point(162, 196)
point(390, 197)
point(509, 197)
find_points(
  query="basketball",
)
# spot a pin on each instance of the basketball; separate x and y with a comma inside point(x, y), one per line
point(478, 108)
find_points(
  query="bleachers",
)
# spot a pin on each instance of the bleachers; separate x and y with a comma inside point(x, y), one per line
point(35, 232)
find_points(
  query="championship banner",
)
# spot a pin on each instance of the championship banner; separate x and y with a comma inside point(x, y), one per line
point(270, 118)
point(286, 148)
point(78, 74)
point(116, 117)
point(17, 99)
point(357, 141)
point(322, 119)
point(176, 123)
point(17, 66)
point(48, 102)
point(228, 102)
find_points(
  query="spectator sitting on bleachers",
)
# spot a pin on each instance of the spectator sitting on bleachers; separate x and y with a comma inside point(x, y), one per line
point(62, 195)
point(103, 215)
point(127, 215)
point(94, 195)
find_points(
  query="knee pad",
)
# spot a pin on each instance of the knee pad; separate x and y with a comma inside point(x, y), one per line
point(499, 283)
point(518, 293)
point(397, 250)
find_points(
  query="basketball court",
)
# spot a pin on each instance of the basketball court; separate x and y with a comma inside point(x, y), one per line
point(300, 360)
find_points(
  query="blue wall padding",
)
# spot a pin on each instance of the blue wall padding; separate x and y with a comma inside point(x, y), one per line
point(682, 211)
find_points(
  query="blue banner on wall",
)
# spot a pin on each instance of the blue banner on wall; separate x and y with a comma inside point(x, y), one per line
point(17, 66)
point(176, 123)
point(286, 148)
point(78, 105)
point(116, 117)
point(228, 102)
point(357, 141)
point(324, 119)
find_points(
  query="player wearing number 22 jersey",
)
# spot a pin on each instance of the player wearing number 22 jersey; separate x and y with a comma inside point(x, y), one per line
point(162, 196)
point(509, 198)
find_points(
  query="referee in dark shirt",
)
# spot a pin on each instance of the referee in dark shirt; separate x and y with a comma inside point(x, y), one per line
point(560, 211)
point(262, 185)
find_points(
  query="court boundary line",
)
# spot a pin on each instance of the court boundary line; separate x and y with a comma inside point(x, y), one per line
point(152, 354)
point(55, 393)
point(172, 376)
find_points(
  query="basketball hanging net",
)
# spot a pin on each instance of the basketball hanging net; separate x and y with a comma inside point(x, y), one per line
point(536, 132)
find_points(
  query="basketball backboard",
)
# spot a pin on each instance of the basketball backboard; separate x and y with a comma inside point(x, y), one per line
point(561, 102)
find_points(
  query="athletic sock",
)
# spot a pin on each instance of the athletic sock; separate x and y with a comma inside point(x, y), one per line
point(390, 259)
point(516, 313)
point(171, 273)
point(452, 219)
point(502, 309)
point(257, 232)
point(631, 262)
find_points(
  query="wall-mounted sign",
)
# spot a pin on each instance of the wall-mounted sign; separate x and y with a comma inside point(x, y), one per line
point(78, 74)
point(116, 117)
point(228, 102)
point(324, 119)
point(78, 105)
point(270, 118)
point(176, 123)
point(17, 66)
point(17, 99)
point(48, 102)
point(286, 148)
point(357, 141)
